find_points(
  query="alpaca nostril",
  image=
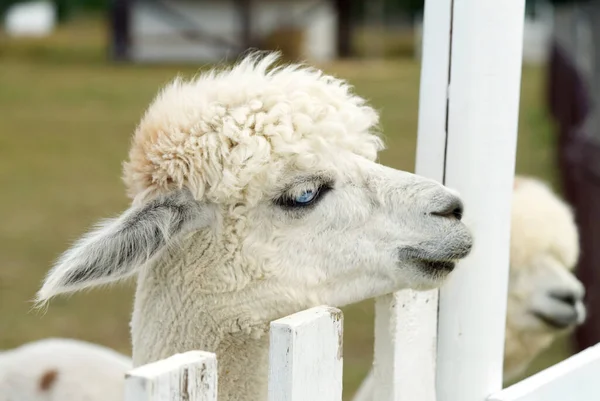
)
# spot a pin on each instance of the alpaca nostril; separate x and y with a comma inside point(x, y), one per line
point(567, 297)
point(458, 212)
point(453, 209)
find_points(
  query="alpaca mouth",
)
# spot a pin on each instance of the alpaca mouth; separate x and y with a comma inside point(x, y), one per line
point(436, 255)
point(436, 266)
point(557, 322)
point(434, 262)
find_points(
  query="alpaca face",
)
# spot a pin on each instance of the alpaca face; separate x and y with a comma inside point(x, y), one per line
point(340, 237)
point(545, 300)
point(278, 169)
point(544, 294)
point(545, 297)
point(349, 234)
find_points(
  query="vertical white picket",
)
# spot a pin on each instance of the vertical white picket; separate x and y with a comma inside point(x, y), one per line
point(306, 356)
point(485, 75)
point(406, 322)
point(191, 376)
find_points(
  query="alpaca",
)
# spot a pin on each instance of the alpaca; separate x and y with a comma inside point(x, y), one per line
point(256, 194)
point(541, 224)
point(62, 370)
point(518, 355)
point(545, 300)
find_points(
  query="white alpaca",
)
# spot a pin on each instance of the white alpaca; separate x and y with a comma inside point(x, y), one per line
point(542, 226)
point(256, 195)
point(62, 370)
point(545, 299)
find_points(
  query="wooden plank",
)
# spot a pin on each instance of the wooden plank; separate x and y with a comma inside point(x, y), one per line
point(406, 322)
point(191, 376)
point(574, 379)
point(485, 75)
point(306, 356)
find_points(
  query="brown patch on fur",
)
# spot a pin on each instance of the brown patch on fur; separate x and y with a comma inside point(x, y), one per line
point(48, 379)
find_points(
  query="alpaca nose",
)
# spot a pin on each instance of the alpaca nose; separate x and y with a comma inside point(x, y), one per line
point(452, 208)
point(566, 296)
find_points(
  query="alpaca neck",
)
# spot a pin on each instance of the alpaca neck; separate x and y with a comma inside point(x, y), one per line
point(521, 347)
point(176, 310)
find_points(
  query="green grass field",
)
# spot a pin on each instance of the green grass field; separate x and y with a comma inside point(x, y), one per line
point(66, 116)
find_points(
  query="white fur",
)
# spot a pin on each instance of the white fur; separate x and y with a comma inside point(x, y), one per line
point(227, 151)
point(79, 371)
point(544, 249)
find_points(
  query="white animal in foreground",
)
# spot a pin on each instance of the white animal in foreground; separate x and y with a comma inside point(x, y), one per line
point(545, 299)
point(256, 195)
point(62, 370)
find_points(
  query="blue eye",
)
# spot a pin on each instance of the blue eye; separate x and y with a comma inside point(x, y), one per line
point(306, 196)
point(303, 198)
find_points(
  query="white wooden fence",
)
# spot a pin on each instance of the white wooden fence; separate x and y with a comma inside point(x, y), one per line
point(442, 345)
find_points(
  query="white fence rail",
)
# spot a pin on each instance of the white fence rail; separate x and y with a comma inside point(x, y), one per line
point(574, 379)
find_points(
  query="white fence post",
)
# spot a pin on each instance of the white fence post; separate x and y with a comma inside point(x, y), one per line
point(406, 322)
point(485, 75)
point(306, 356)
point(191, 376)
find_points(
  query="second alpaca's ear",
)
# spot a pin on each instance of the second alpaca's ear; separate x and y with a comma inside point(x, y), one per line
point(118, 247)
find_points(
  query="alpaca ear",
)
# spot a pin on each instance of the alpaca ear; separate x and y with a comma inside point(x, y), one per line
point(116, 248)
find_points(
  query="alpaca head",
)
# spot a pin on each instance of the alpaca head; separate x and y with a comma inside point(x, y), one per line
point(277, 167)
point(545, 298)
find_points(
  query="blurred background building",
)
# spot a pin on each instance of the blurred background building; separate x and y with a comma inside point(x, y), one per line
point(214, 30)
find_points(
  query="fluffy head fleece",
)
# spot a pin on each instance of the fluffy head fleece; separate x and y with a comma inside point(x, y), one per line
point(256, 195)
point(230, 136)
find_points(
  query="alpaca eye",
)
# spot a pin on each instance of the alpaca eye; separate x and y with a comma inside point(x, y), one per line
point(305, 197)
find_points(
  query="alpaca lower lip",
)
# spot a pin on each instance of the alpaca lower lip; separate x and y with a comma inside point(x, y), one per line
point(435, 254)
point(557, 322)
point(436, 266)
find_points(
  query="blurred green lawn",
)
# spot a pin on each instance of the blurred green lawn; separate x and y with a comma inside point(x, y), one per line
point(66, 117)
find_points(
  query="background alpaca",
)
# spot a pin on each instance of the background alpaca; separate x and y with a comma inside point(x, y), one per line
point(545, 300)
point(256, 195)
point(62, 370)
